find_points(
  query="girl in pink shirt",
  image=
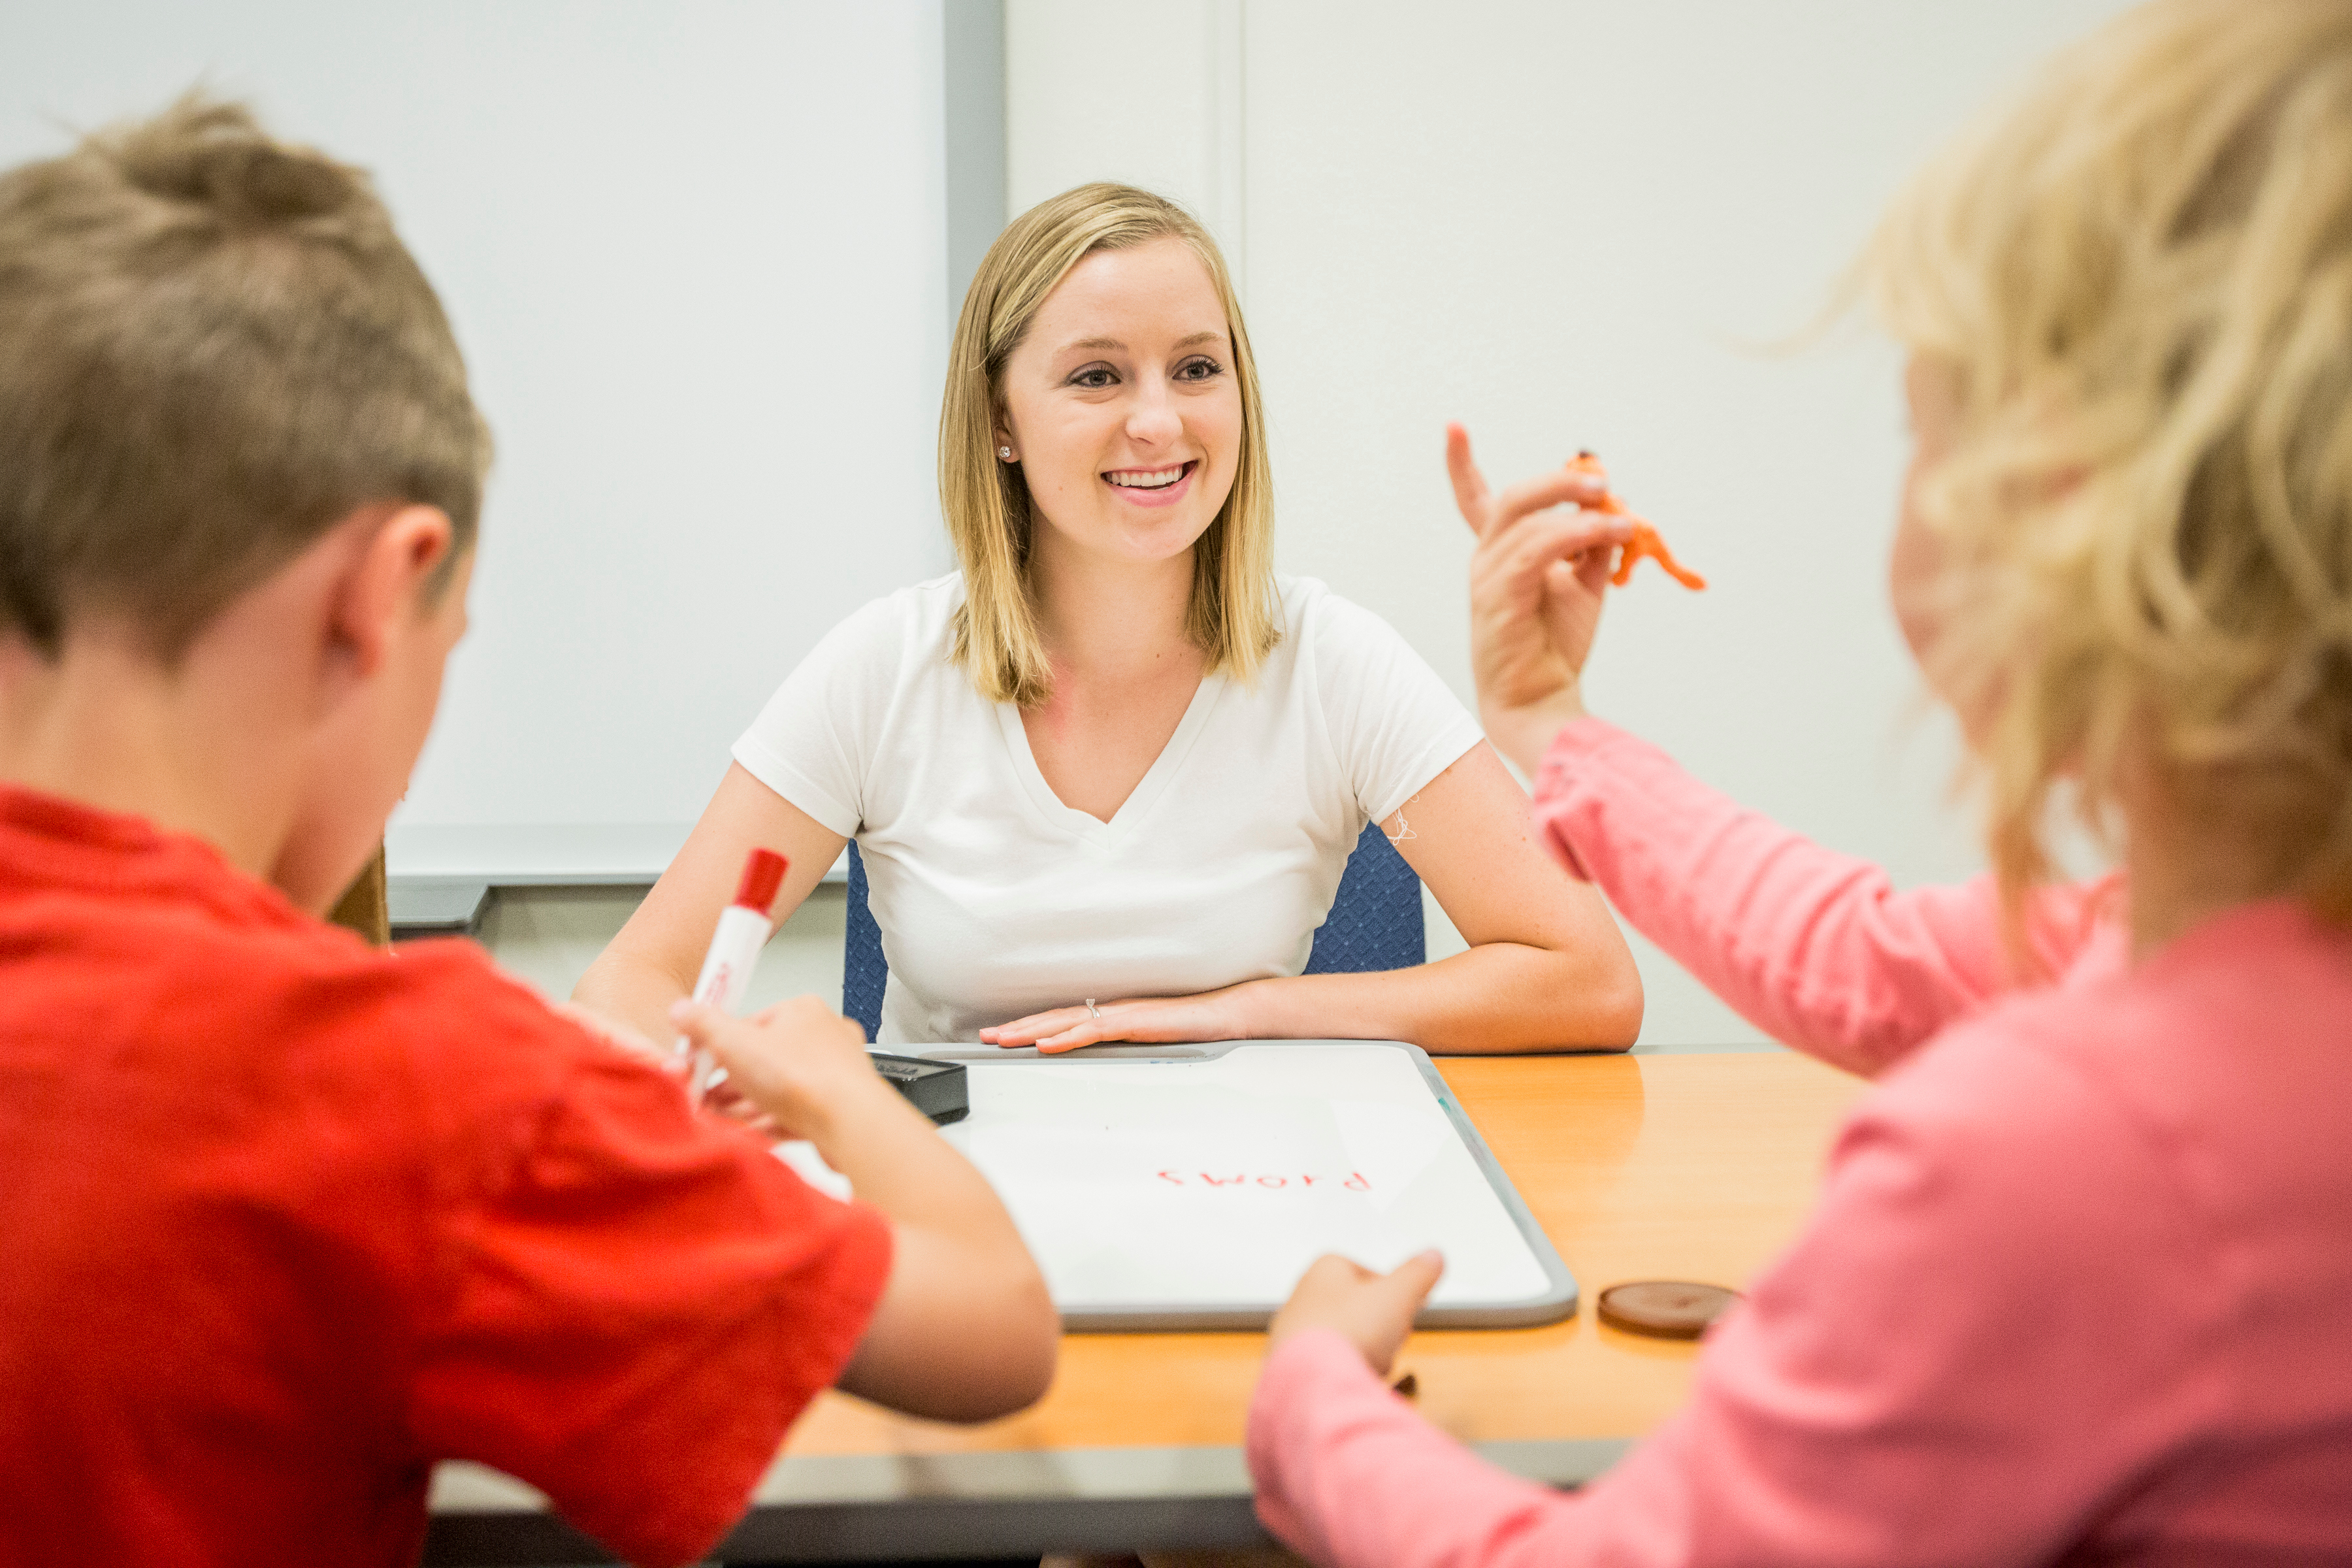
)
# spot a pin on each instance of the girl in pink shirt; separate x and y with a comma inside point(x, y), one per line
point(2079, 1284)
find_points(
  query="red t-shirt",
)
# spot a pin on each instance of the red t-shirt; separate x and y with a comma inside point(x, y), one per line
point(284, 1220)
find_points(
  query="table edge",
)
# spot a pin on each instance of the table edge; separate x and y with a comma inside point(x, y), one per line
point(843, 1507)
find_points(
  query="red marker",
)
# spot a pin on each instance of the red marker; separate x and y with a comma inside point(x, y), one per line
point(726, 979)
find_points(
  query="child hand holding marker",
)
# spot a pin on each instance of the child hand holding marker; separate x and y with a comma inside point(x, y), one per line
point(794, 1065)
point(798, 1070)
point(743, 929)
point(958, 1267)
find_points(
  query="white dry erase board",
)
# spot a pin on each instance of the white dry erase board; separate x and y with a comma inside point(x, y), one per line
point(1189, 1186)
point(701, 257)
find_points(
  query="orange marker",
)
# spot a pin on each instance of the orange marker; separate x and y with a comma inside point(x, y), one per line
point(1645, 540)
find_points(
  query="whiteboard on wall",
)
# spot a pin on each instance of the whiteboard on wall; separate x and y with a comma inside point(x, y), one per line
point(1189, 1186)
point(697, 255)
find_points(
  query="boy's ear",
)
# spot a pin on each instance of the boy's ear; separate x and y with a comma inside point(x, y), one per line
point(381, 589)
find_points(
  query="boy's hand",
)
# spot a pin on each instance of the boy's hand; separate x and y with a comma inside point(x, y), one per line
point(798, 1063)
point(1537, 581)
point(1374, 1312)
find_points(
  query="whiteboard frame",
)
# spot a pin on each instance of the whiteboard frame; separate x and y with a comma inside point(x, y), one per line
point(1558, 1302)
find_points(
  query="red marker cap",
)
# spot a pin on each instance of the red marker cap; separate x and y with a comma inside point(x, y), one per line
point(764, 873)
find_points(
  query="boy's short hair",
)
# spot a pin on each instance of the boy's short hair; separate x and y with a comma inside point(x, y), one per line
point(213, 346)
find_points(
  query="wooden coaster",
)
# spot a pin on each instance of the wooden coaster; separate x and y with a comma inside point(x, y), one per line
point(1664, 1309)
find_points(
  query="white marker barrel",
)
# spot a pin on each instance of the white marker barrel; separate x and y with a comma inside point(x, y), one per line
point(726, 978)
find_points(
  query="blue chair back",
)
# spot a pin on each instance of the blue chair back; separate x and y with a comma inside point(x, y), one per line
point(1375, 923)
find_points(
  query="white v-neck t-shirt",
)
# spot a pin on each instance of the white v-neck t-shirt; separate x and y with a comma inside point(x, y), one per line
point(997, 901)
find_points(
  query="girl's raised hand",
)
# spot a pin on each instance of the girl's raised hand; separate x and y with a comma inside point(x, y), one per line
point(1537, 577)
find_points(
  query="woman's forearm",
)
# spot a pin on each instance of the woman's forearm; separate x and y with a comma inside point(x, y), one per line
point(1499, 996)
point(632, 990)
point(654, 958)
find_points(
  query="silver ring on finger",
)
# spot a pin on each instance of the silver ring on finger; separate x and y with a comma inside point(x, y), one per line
point(1092, 1008)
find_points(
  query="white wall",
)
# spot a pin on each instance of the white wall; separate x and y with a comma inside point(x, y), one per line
point(1562, 224)
point(696, 255)
point(1150, 92)
point(549, 936)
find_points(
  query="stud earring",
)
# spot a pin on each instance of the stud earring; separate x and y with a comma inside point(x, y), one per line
point(1005, 453)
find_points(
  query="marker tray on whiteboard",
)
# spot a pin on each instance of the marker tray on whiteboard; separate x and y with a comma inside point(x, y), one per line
point(1166, 1187)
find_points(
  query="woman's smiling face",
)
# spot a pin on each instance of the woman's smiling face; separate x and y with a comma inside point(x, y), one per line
point(1121, 404)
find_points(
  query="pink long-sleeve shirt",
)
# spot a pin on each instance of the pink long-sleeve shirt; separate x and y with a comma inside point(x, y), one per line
point(2079, 1288)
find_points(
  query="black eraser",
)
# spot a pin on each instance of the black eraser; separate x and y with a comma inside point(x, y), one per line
point(937, 1089)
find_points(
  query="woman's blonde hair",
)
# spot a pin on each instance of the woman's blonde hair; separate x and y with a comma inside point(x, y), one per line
point(989, 512)
point(2141, 273)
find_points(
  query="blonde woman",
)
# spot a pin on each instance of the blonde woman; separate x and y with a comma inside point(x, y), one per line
point(2077, 1289)
point(1106, 776)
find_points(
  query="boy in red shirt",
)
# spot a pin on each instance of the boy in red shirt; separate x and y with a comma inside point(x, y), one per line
point(289, 1220)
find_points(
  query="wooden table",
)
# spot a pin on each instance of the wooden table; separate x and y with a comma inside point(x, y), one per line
point(1688, 1167)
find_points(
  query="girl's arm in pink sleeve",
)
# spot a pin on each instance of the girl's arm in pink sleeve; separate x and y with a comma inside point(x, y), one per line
point(1326, 1437)
point(1844, 1416)
point(1814, 947)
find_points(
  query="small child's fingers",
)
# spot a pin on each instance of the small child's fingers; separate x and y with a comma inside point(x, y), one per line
point(742, 1112)
point(1417, 1276)
point(737, 1109)
point(733, 1058)
point(1333, 1272)
point(1590, 572)
point(1469, 484)
point(1545, 491)
point(806, 1009)
point(1568, 590)
point(1532, 545)
point(1396, 1298)
point(695, 1019)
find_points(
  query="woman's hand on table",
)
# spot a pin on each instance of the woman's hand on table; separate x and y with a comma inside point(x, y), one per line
point(1374, 1312)
point(1537, 578)
point(1210, 1016)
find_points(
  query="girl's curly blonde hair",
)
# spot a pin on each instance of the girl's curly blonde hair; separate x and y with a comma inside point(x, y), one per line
point(2141, 272)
